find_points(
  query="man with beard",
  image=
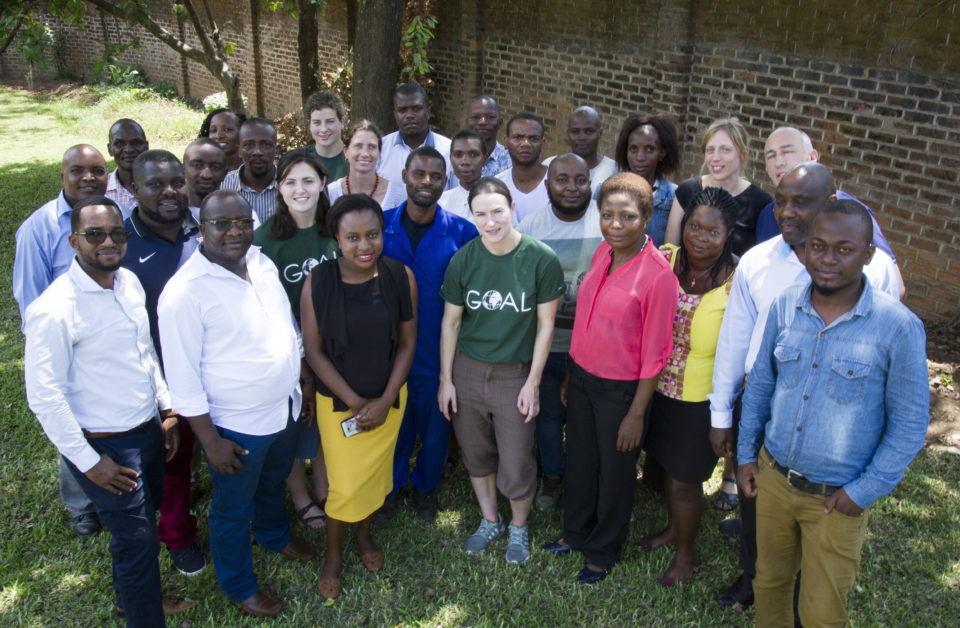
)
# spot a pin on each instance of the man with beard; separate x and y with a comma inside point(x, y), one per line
point(763, 273)
point(94, 383)
point(466, 154)
point(43, 253)
point(584, 130)
point(126, 141)
point(483, 116)
point(255, 180)
point(570, 225)
point(233, 358)
point(205, 166)
point(423, 236)
point(835, 408)
point(163, 235)
point(526, 179)
point(411, 110)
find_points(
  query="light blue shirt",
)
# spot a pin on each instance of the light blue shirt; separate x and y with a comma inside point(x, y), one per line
point(498, 161)
point(43, 252)
point(845, 404)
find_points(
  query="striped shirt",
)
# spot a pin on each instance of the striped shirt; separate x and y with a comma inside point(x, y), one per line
point(264, 203)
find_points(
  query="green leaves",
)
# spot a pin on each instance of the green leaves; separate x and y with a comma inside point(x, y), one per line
point(417, 37)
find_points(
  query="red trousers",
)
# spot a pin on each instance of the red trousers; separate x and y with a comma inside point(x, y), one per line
point(177, 527)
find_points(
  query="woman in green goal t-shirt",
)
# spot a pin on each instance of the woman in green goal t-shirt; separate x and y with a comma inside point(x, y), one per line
point(501, 292)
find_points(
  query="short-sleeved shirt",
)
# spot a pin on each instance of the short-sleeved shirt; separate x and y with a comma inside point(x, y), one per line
point(296, 257)
point(526, 202)
point(264, 202)
point(499, 295)
point(337, 166)
point(751, 202)
point(624, 325)
point(688, 374)
point(574, 243)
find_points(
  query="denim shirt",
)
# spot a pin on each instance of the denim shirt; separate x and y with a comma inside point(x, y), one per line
point(663, 194)
point(845, 404)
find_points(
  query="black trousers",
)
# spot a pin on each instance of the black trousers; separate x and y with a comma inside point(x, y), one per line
point(599, 479)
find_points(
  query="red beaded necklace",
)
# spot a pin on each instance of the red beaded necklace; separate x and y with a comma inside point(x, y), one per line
point(346, 184)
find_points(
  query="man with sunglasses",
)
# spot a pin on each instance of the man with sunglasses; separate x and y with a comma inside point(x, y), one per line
point(233, 358)
point(87, 328)
point(163, 235)
point(43, 253)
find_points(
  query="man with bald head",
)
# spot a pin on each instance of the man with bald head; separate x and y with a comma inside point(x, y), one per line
point(762, 274)
point(43, 253)
point(584, 130)
point(785, 148)
point(483, 116)
point(570, 225)
point(205, 166)
point(126, 141)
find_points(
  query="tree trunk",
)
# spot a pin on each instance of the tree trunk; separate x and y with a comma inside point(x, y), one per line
point(376, 59)
point(307, 48)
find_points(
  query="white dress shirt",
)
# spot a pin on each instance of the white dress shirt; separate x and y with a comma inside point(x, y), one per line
point(762, 274)
point(89, 361)
point(230, 346)
point(393, 159)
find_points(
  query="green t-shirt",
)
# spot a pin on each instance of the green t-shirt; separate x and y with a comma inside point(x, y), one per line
point(296, 257)
point(337, 166)
point(499, 295)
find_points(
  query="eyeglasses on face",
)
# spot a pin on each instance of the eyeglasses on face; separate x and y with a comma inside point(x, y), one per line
point(97, 236)
point(224, 224)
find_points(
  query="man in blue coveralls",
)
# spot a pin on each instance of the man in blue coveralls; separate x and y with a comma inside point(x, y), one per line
point(423, 236)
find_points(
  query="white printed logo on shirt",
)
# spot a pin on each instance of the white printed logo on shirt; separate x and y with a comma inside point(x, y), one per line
point(494, 301)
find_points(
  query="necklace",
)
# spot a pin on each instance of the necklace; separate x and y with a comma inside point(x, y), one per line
point(376, 182)
point(693, 282)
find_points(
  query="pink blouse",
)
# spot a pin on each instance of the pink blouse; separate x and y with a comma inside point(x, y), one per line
point(623, 329)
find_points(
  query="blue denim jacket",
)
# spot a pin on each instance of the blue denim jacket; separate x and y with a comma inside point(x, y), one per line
point(846, 404)
point(663, 194)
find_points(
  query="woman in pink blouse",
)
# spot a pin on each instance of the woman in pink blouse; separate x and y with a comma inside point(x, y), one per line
point(621, 341)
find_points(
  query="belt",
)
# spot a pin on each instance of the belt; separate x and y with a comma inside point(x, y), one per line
point(799, 482)
point(144, 425)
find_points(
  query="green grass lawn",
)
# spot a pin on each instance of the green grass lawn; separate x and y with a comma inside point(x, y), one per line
point(48, 577)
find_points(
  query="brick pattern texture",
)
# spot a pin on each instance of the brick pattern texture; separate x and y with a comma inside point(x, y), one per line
point(875, 83)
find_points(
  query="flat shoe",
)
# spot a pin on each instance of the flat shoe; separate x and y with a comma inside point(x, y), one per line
point(589, 576)
point(329, 587)
point(727, 501)
point(556, 547)
point(260, 604)
point(298, 549)
point(372, 560)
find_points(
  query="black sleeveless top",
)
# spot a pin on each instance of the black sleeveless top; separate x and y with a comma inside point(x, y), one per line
point(751, 202)
point(360, 324)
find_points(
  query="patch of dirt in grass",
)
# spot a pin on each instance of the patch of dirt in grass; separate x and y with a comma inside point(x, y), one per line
point(943, 369)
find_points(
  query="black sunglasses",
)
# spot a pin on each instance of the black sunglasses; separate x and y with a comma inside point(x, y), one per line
point(97, 236)
point(224, 224)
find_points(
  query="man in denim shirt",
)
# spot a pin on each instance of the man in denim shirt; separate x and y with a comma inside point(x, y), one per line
point(835, 408)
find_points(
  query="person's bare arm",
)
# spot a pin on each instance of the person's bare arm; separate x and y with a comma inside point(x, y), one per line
point(449, 332)
point(528, 401)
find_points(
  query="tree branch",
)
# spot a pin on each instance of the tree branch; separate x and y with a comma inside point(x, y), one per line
point(13, 33)
point(155, 29)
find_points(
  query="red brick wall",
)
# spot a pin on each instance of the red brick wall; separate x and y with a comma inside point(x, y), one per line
point(875, 83)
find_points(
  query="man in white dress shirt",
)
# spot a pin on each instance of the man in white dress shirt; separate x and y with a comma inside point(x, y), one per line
point(762, 274)
point(411, 110)
point(232, 355)
point(94, 383)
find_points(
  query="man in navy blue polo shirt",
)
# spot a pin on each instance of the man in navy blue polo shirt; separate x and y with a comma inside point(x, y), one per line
point(424, 237)
point(163, 235)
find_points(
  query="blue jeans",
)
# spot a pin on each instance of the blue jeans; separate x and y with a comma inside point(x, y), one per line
point(252, 497)
point(422, 418)
point(552, 415)
point(131, 519)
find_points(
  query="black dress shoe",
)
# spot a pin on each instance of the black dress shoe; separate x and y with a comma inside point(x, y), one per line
point(740, 593)
point(426, 505)
point(589, 576)
point(556, 547)
point(86, 524)
point(388, 511)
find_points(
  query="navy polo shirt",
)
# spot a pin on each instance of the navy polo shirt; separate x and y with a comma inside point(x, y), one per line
point(155, 259)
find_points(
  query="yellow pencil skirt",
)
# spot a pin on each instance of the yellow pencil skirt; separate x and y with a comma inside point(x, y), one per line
point(360, 468)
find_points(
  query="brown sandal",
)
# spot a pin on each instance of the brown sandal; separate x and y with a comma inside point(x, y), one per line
point(329, 587)
point(302, 515)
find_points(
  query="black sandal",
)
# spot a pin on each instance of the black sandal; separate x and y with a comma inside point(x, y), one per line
point(302, 515)
point(727, 501)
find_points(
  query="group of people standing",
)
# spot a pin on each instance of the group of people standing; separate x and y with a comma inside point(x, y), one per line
point(369, 291)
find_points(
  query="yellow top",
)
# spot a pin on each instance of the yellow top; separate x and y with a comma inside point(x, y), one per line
point(688, 375)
